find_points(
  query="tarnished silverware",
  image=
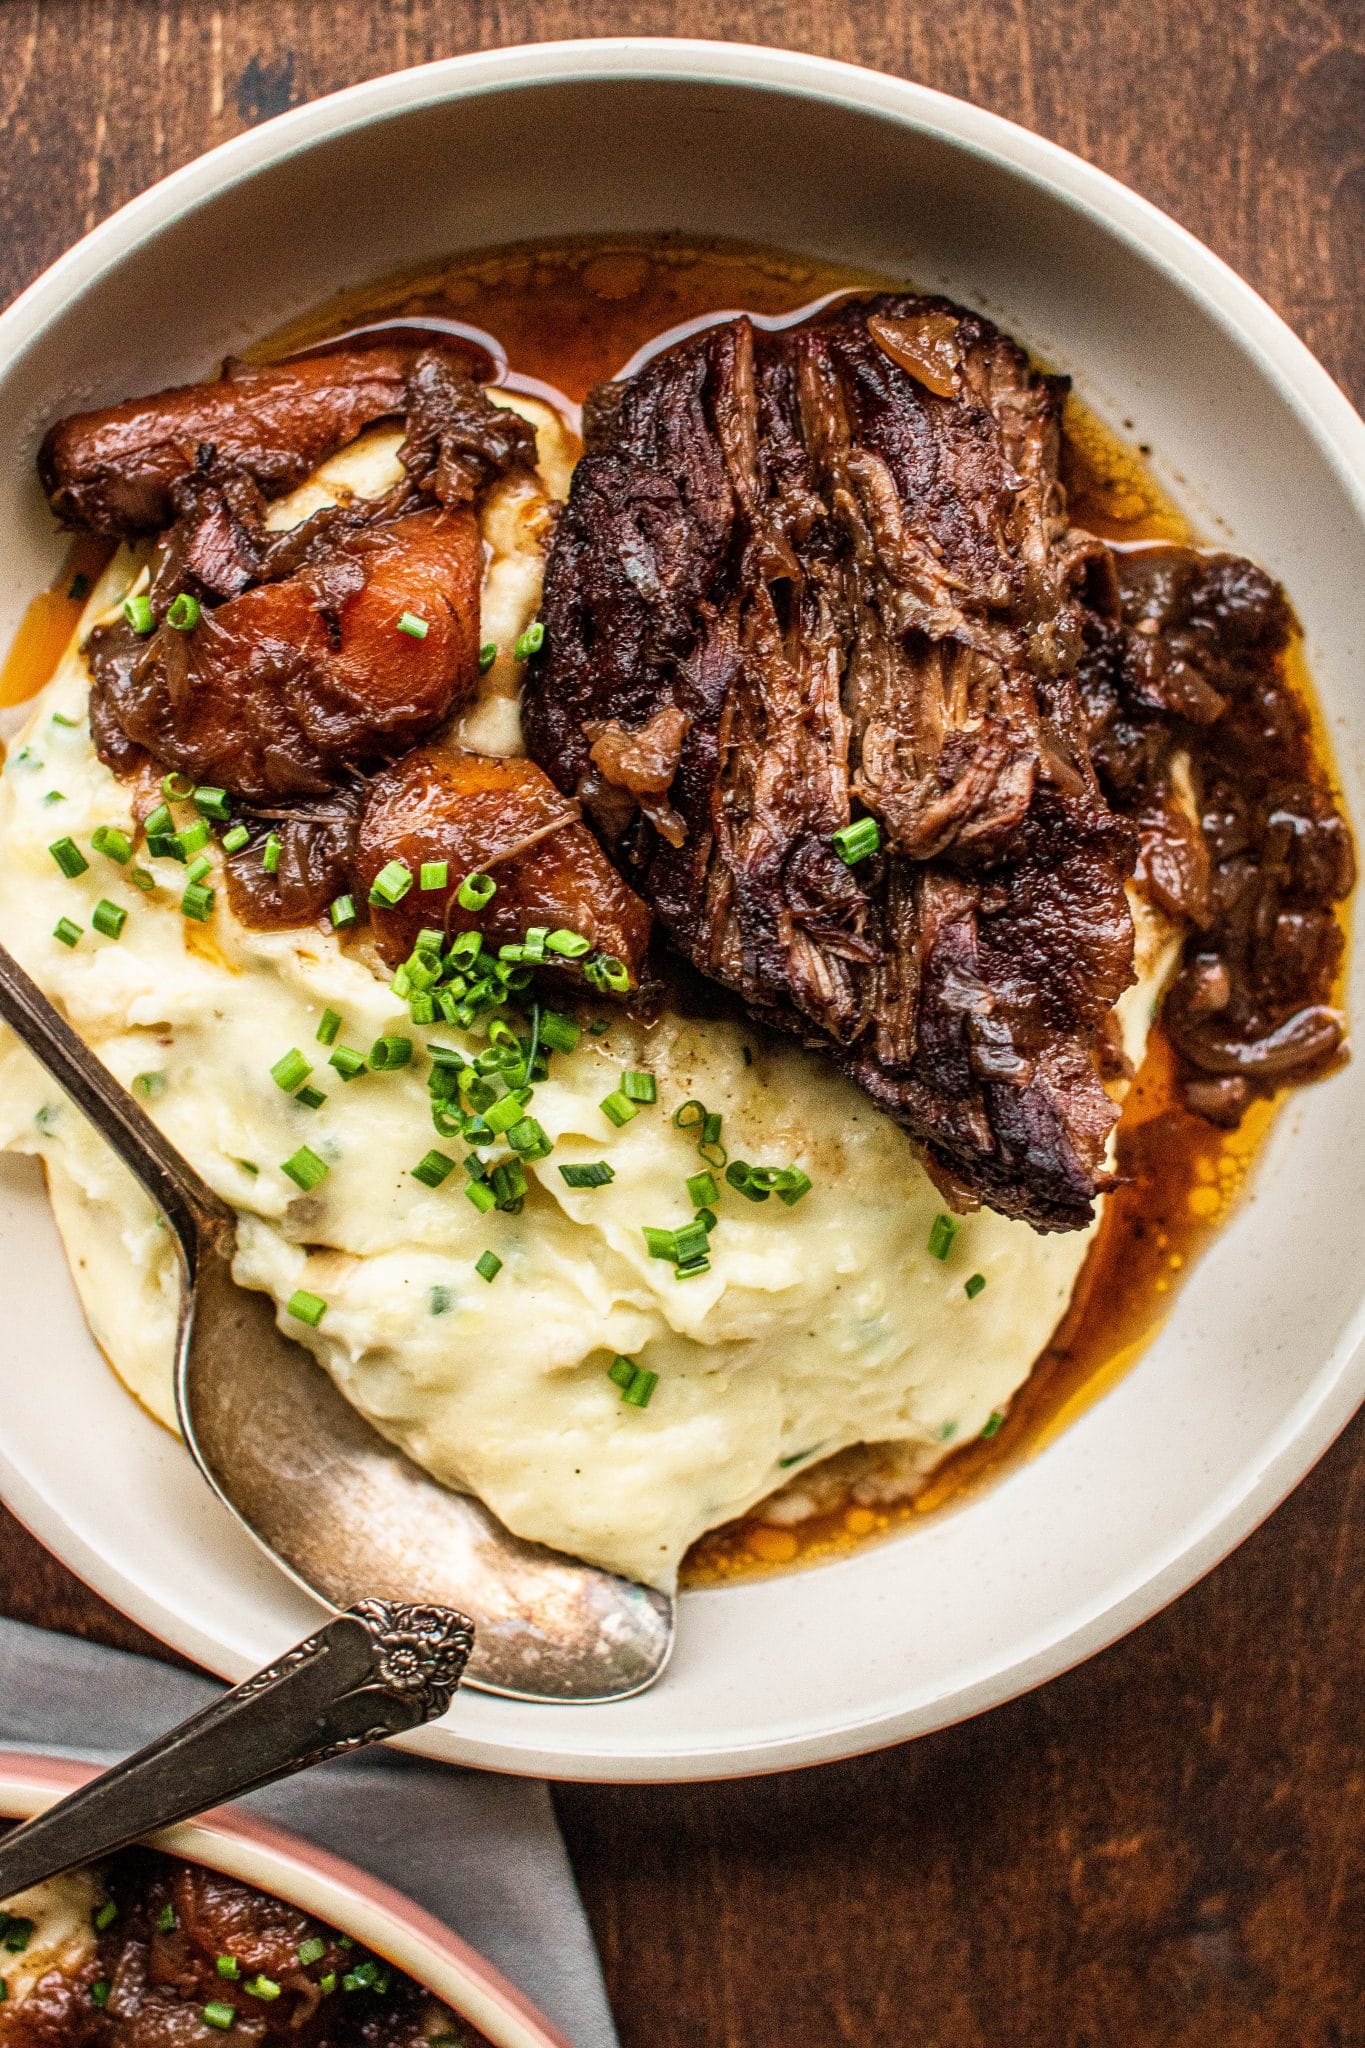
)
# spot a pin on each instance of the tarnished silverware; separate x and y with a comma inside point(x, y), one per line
point(345, 1513)
point(377, 1670)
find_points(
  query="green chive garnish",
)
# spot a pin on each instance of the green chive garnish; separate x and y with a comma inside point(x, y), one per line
point(434, 874)
point(142, 878)
point(392, 1050)
point(941, 1234)
point(219, 2014)
point(106, 1916)
point(197, 902)
point(638, 1394)
point(328, 1983)
point(176, 788)
point(343, 913)
point(557, 1033)
point(347, 1063)
point(391, 884)
point(992, 1425)
point(702, 1190)
point(19, 1933)
point(415, 628)
point(971, 1288)
point(310, 1098)
point(66, 931)
point(212, 802)
point(262, 1987)
point(637, 1087)
point(530, 642)
point(291, 1070)
point(596, 1175)
point(483, 1198)
point(488, 654)
point(529, 1139)
point(432, 1169)
point(108, 919)
point(228, 1966)
point(166, 1920)
point(476, 891)
point(306, 1308)
point(569, 945)
point(488, 1266)
point(855, 842)
point(113, 844)
point(270, 854)
point(312, 1951)
point(184, 612)
point(138, 612)
point(618, 1108)
point(150, 1085)
point(69, 858)
point(99, 1992)
point(328, 1026)
point(621, 1371)
point(236, 839)
point(198, 868)
point(305, 1169)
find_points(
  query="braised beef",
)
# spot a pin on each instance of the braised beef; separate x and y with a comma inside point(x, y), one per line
point(835, 561)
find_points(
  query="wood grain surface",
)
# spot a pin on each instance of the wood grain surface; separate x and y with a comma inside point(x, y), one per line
point(1162, 1849)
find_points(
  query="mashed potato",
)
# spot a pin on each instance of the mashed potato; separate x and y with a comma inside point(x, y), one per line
point(818, 1326)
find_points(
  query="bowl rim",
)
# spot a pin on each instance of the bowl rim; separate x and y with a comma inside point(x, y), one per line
point(275, 1860)
point(1161, 1569)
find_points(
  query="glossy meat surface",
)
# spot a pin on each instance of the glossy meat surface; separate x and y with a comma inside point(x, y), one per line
point(834, 560)
point(505, 818)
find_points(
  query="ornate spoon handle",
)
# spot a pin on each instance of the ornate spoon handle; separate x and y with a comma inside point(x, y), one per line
point(377, 1670)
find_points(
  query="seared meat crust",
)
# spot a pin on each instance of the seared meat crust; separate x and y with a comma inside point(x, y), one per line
point(831, 566)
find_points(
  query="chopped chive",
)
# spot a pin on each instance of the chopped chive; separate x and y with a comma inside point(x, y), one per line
point(217, 2013)
point(54, 796)
point(391, 884)
point(481, 1195)
point(106, 1916)
point(508, 1182)
point(327, 1984)
point(176, 788)
point(942, 1232)
point(312, 1951)
point(638, 1087)
point(488, 1266)
point(343, 913)
point(150, 1085)
point(261, 1986)
point(433, 1168)
point(618, 1108)
point(166, 1920)
point(99, 1992)
point(198, 868)
point(270, 854)
point(992, 1424)
point(557, 1033)
point(142, 878)
point(305, 1169)
point(476, 891)
point(422, 1008)
point(488, 654)
point(702, 1190)
point(68, 857)
point(291, 1069)
point(442, 1300)
point(108, 919)
point(249, 1166)
point(212, 802)
point(392, 1050)
point(158, 822)
point(228, 1966)
point(971, 1288)
point(184, 612)
point(113, 844)
point(596, 1175)
point(740, 1176)
point(19, 1933)
point(328, 1026)
point(305, 1307)
point(530, 642)
point(529, 1139)
point(792, 1186)
point(347, 1063)
point(236, 839)
point(663, 1244)
point(138, 612)
point(607, 972)
point(640, 1391)
point(621, 1371)
point(855, 842)
point(66, 931)
point(500, 1116)
point(415, 628)
point(707, 1218)
point(310, 1098)
point(433, 874)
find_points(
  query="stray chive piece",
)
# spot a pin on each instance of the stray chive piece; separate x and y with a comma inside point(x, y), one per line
point(855, 842)
point(142, 878)
point(636, 1383)
point(138, 612)
point(177, 788)
point(18, 1933)
point(328, 1026)
point(217, 2013)
point(530, 642)
point(348, 1063)
point(488, 1266)
point(197, 902)
point(270, 854)
point(184, 613)
point(596, 1175)
point(971, 1288)
point(305, 1307)
point(434, 874)
point(212, 802)
point(113, 844)
point(236, 839)
point(991, 1427)
point(108, 919)
point(99, 1992)
point(305, 1169)
point(261, 1986)
point(343, 913)
point(488, 654)
point(484, 1199)
point(106, 1916)
point(941, 1234)
point(557, 1033)
point(66, 931)
point(291, 1070)
point(618, 1108)
point(310, 1098)
point(391, 884)
point(328, 1984)
point(442, 1301)
point(228, 1966)
point(702, 1190)
point(166, 1921)
point(476, 891)
point(150, 1085)
point(312, 1951)
point(69, 858)
point(433, 1168)
point(639, 1087)
point(392, 1050)
point(415, 628)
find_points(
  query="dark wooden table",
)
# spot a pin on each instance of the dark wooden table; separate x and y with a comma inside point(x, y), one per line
point(1163, 1847)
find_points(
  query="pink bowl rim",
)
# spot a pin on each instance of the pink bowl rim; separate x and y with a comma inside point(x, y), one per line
point(271, 1857)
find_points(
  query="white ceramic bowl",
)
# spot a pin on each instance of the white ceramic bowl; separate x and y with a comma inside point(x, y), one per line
point(348, 1899)
point(1260, 1363)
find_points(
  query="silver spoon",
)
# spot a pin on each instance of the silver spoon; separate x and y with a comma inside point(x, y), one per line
point(377, 1670)
point(344, 1512)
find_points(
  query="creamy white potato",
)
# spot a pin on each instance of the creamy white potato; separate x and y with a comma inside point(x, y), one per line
point(818, 1326)
point(63, 1937)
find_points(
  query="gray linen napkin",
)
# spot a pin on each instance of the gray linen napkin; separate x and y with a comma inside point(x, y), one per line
point(482, 1853)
